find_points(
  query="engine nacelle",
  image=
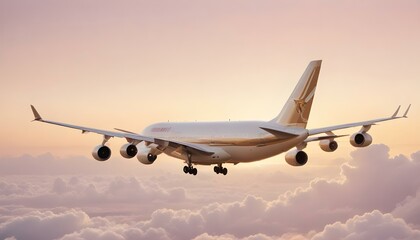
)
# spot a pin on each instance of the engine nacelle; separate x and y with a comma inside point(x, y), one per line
point(128, 150)
point(328, 145)
point(101, 153)
point(360, 139)
point(144, 156)
point(296, 158)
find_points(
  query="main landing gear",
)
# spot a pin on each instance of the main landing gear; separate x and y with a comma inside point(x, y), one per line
point(219, 169)
point(190, 169)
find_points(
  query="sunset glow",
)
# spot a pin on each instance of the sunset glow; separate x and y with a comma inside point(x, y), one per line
point(128, 64)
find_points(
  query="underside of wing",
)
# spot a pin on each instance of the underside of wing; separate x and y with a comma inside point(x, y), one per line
point(187, 147)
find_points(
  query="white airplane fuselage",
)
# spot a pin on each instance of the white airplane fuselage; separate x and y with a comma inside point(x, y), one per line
point(233, 142)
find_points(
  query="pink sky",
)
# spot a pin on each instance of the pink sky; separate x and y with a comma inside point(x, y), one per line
point(112, 65)
point(128, 64)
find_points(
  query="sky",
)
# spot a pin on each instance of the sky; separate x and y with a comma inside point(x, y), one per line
point(108, 64)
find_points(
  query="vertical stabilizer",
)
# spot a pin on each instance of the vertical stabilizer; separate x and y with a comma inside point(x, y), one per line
point(297, 108)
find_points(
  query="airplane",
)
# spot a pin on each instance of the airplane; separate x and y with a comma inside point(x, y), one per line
point(218, 143)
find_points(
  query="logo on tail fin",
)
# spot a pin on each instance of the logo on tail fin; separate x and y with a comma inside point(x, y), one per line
point(300, 108)
point(304, 99)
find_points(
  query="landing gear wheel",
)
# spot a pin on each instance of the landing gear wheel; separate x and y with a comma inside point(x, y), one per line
point(190, 170)
point(220, 170)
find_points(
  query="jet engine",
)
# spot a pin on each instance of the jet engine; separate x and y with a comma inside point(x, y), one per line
point(360, 139)
point(144, 156)
point(328, 145)
point(128, 150)
point(101, 153)
point(296, 157)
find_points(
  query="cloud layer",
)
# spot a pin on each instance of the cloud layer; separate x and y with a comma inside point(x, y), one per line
point(43, 224)
point(377, 196)
point(373, 225)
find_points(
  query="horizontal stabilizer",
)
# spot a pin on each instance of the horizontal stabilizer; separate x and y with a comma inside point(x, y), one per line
point(280, 132)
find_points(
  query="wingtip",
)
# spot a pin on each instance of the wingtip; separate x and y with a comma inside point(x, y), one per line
point(396, 112)
point(37, 117)
point(406, 111)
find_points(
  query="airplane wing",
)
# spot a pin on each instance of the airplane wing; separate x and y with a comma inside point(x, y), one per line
point(129, 136)
point(189, 147)
point(332, 137)
point(365, 124)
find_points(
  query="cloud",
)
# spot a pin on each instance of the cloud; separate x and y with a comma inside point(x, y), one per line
point(43, 224)
point(259, 236)
point(372, 180)
point(70, 224)
point(119, 233)
point(409, 209)
point(80, 191)
point(372, 186)
point(66, 224)
point(206, 236)
point(59, 186)
point(11, 189)
point(47, 164)
point(31, 176)
point(373, 225)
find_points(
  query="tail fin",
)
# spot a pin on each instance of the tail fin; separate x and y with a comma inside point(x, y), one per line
point(297, 108)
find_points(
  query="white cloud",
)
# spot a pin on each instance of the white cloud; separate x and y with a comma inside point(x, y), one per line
point(206, 236)
point(373, 225)
point(43, 224)
point(259, 236)
point(118, 233)
point(255, 177)
point(77, 192)
point(59, 186)
point(47, 164)
point(371, 180)
point(11, 189)
point(409, 209)
point(72, 224)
